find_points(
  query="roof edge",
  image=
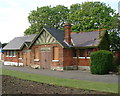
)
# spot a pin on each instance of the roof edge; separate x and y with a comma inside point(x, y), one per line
point(35, 38)
point(39, 35)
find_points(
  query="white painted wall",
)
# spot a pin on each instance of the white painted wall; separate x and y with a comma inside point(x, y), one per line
point(13, 63)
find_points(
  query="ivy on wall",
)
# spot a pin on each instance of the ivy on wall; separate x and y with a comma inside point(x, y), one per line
point(104, 44)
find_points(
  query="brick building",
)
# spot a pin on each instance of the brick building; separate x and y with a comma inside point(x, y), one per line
point(54, 49)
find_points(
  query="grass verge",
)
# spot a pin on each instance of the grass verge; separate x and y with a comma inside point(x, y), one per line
point(87, 85)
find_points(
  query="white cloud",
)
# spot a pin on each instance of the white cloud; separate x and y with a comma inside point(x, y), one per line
point(13, 23)
point(13, 4)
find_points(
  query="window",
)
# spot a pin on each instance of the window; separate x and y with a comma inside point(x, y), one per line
point(55, 53)
point(7, 54)
point(82, 52)
point(11, 54)
point(14, 53)
point(74, 53)
point(89, 52)
point(36, 52)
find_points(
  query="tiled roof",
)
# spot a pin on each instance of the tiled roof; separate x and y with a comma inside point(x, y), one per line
point(86, 39)
point(82, 39)
point(58, 35)
point(18, 42)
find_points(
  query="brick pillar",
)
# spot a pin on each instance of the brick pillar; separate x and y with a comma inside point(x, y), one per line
point(78, 53)
point(17, 56)
point(4, 56)
point(95, 49)
point(67, 37)
point(86, 53)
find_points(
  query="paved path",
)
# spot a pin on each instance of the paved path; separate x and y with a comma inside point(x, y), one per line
point(73, 74)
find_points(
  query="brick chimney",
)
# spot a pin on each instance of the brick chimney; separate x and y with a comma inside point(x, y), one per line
point(67, 38)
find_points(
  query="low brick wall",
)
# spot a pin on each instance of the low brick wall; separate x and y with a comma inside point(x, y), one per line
point(81, 61)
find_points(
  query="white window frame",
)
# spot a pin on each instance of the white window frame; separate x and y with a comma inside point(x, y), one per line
point(11, 55)
point(7, 53)
point(14, 53)
point(82, 57)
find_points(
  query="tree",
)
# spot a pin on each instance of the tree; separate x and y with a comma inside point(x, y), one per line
point(84, 17)
point(60, 16)
point(90, 15)
point(33, 29)
point(47, 16)
point(114, 35)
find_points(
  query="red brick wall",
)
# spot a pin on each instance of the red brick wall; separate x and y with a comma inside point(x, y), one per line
point(53, 64)
point(2, 57)
point(68, 59)
point(81, 62)
point(65, 56)
point(12, 59)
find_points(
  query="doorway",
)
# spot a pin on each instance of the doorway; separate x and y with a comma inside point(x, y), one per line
point(45, 58)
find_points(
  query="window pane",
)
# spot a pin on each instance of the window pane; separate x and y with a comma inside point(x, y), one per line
point(82, 52)
point(10, 53)
point(14, 54)
point(7, 53)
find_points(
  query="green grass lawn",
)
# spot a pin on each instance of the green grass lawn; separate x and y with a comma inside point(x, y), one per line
point(88, 85)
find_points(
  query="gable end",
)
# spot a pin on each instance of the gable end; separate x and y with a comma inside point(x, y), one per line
point(45, 38)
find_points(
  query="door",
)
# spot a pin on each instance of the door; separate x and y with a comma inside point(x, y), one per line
point(26, 58)
point(45, 59)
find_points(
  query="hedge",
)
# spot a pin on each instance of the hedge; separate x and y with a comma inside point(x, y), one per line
point(101, 62)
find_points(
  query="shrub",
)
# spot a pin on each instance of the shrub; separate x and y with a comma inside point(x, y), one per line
point(101, 62)
point(118, 70)
point(116, 61)
point(116, 64)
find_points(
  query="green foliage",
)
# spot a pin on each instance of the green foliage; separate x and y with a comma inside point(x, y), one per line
point(84, 17)
point(47, 16)
point(114, 35)
point(101, 62)
point(119, 70)
point(116, 63)
point(33, 29)
point(104, 44)
point(91, 15)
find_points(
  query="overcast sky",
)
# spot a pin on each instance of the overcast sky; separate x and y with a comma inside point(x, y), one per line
point(13, 14)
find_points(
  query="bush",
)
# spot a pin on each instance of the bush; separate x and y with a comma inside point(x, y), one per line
point(101, 62)
point(116, 64)
point(116, 61)
point(118, 70)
